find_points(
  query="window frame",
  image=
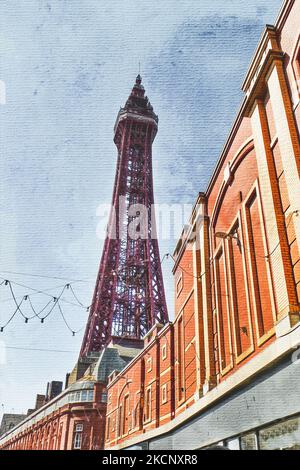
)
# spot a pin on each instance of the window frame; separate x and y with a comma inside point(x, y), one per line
point(164, 354)
point(179, 281)
point(296, 65)
point(77, 441)
point(164, 394)
point(77, 435)
point(149, 364)
point(148, 405)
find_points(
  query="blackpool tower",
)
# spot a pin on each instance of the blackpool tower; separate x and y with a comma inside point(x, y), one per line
point(129, 294)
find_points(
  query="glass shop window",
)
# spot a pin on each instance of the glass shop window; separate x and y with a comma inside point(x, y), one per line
point(249, 442)
point(281, 436)
point(233, 444)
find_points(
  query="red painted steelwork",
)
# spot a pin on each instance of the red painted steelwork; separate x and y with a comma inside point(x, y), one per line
point(129, 295)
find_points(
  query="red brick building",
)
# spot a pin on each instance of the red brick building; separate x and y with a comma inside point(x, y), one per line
point(70, 421)
point(74, 419)
point(224, 369)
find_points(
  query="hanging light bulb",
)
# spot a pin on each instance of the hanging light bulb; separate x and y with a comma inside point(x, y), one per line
point(42, 320)
point(26, 320)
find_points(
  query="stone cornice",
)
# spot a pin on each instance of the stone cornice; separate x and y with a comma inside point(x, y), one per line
point(267, 42)
point(257, 89)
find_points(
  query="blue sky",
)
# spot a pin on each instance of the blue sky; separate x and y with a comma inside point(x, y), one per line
point(68, 67)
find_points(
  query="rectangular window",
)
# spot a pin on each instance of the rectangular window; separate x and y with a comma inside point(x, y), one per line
point(298, 62)
point(285, 204)
point(108, 429)
point(262, 293)
point(180, 359)
point(90, 395)
point(164, 397)
point(296, 65)
point(164, 352)
point(281, 436)
point(149, 364)
point(120, 421)
point(270, 118)
point(104, 397)
point(84, 395)
point(223, 312)
point(125, 417)
point(77, 440)
point(179, 285)
point(148, 405)
point(233, 444)
point(242, 326)
point(58, 444)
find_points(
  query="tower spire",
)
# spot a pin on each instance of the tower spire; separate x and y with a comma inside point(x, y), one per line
point(129, 294)
point(138, 80)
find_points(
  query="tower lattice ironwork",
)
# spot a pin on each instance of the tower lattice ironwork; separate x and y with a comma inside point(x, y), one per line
point(129, 295)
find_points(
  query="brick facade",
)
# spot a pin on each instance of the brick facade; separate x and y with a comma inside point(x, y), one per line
point(237, 282)
point(73, 420)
